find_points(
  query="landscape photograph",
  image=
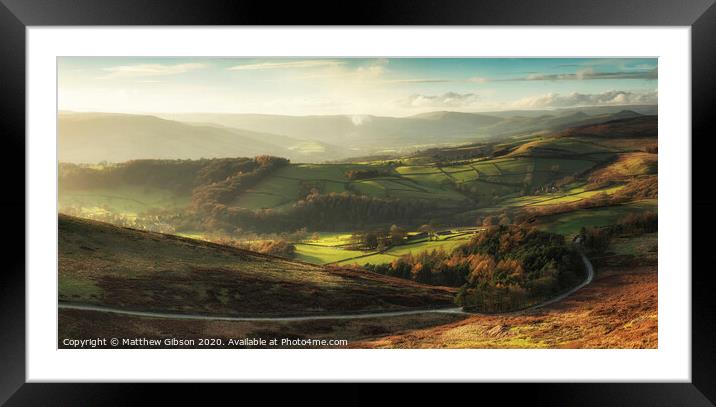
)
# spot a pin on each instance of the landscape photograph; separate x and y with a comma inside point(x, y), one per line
point(357, 203)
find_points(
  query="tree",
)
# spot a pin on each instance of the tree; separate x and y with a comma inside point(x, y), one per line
point(429, 230)
point(370, 240)
point(397, 235)
point(488, 221)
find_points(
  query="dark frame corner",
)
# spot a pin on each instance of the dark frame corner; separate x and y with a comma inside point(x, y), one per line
point(16, 15)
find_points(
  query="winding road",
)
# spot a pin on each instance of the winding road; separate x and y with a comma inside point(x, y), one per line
point(452, 310)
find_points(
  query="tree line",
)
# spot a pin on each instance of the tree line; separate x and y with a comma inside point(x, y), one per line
point(179, 176)
point(506, 267)
point(317, 211)
point(596, 240)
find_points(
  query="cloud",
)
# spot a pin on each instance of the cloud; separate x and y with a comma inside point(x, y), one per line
point(590, 74)
point(376, 68)
point(446, 100)
point(614, 97)
point(143, 70)
point(478, 79)
point(642, 72)
point(474, 79)
point(302, 64)
point(418, 80)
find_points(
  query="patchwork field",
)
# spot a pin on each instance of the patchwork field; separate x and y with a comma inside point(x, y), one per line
point(333, 248)
point(290, 184)
point(535, 162)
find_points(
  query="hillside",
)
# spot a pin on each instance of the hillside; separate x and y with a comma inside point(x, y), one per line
point(590, 110)
point(618, 310)
point(95, 137)
point(113, 137)
point(447, 185)
point(365, 134)
point(623, 125)
point(107, 265)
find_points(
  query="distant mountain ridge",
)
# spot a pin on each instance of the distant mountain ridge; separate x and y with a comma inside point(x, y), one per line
point(114, 137)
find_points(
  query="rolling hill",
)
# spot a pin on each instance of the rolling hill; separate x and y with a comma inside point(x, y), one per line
point(95, 137)
point(365, 134)
point(359, 134)
point(429, 186)
point(102, 264)
point(112, 137)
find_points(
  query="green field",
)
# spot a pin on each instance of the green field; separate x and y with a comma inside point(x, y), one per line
point(449, 186)
point(569, 223)
point(445, 185)
point(458, 192)
point(397, 251)
point(289, 184)
point(574, 194)
point(323, 254)
point(328, 250)
point(126, 200)
point(286, 184)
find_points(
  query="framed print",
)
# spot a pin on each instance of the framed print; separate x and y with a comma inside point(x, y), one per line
point(414, 195)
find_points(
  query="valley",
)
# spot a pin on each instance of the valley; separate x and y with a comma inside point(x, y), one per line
point(479, 213)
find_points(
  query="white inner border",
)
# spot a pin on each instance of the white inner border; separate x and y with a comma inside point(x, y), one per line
point(671, 362)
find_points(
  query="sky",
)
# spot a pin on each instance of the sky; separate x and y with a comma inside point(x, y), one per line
point(371, 86)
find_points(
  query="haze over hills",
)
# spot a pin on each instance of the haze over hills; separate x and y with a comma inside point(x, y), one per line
point(112, 137)
point(590, 110)
point(370, 134)
point(359, 132)
point(95, 137)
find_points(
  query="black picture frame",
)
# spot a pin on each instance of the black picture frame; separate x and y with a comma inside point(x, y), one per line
point(16, 15)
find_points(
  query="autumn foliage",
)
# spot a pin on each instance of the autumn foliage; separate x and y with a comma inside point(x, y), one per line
point(503, 268)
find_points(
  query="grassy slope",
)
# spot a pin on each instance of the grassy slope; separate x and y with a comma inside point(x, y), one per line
point(126, 200)
point(287, 184)
point(569, 223)
point(495, 184)
point(437, 183)
point(104, 264)
point(330, 249)
point(486, 182)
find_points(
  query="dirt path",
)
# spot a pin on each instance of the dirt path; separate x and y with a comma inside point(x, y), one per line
point(151, 314)
point(451, 310)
